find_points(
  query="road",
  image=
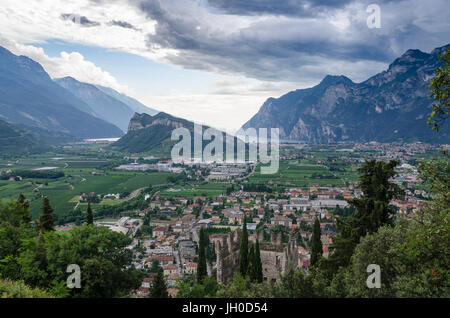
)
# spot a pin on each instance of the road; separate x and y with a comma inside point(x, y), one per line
point(195, 238)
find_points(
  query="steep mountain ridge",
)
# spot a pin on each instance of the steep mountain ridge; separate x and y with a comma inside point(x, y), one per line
point(390, 106)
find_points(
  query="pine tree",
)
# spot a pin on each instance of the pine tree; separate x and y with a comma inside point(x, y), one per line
point(258, 264)
point(24, 208)
point(372, 209)
point(201, 269)
point(316, 244)
point(243, 253)
point(158, 288)
point(46, 221)
point(90, 216)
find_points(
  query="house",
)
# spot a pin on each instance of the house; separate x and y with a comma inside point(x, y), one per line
point(170, 269)
point(172, 279)
point(190, 268)
point(159, 231)
point(280, 220)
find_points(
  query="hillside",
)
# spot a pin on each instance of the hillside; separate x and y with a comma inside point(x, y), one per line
point(390, 106)
point(29, 96)
point(147, 132)
point(102, 105)
point(15, 141)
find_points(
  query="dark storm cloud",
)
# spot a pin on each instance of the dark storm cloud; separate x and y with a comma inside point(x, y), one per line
point(284, 46)
point(123, 24)
point(287, 7)
point(76, 18)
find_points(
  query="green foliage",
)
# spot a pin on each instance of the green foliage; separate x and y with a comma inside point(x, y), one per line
point(372, 209)
point(201, 269)
point(158, 288)
point(243, 252)
point(89, 215)
point(294, 284)
point(440, 91)
point(46, 221)
point(316, 245)
point(242, 287)
point(40, 259)
point(11, 289)
point(207, 289)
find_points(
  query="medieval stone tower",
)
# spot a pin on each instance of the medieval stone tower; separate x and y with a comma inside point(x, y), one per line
point(276, 257)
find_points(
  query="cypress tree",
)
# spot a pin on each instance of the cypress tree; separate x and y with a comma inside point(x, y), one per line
point(159, 287)
point(24, 207)
point(251, 263)
point(258, 264)
point(201, 269)
point(243, 253)
point(316, 244)
point(46, 221)
point(90, 216)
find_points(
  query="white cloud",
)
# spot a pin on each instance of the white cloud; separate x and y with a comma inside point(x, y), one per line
point(67, 64)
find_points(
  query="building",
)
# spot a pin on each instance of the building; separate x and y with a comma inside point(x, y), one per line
point(276, 257)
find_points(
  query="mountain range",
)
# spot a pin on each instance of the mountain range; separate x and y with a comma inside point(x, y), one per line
point(390, 106)
point(29, 96)
point(105, 103)
point(30, 100)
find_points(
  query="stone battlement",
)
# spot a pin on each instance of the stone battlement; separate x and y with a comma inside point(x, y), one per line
point(276, 257)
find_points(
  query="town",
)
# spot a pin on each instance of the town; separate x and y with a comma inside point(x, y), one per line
point(314, 182)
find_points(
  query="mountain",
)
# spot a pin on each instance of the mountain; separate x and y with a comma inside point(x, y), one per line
point(16, 141)
point(29, 96)
point(390, 106)
point(135, 105)
point(147, 132)
point(101, 104)
point(153, 134)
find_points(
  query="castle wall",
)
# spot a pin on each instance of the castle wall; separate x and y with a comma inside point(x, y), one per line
point(276, 257)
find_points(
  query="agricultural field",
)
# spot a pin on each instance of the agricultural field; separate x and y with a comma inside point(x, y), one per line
point(78, 178)
point(304, 173)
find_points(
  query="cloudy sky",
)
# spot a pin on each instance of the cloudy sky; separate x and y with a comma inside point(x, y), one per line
point(217, 61)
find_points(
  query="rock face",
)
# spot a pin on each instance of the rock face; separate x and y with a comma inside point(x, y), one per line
point(390, 106)
point(28, 96)
point(142, 121)
point(147, 132)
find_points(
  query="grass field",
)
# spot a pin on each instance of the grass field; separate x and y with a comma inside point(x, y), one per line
point(304, 174)
point(64, 192)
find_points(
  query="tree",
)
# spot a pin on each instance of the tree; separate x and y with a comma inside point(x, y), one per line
point(155, 268)
point(440, 91)
point(24, 210)
point(316, 245)
point(258, 264)
point(243, 253)
point(372, 209)
point(46, 221)
point(251, 270)
point(295, 284)
point(90, 216)
point(158, 288)
point(201, 269)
